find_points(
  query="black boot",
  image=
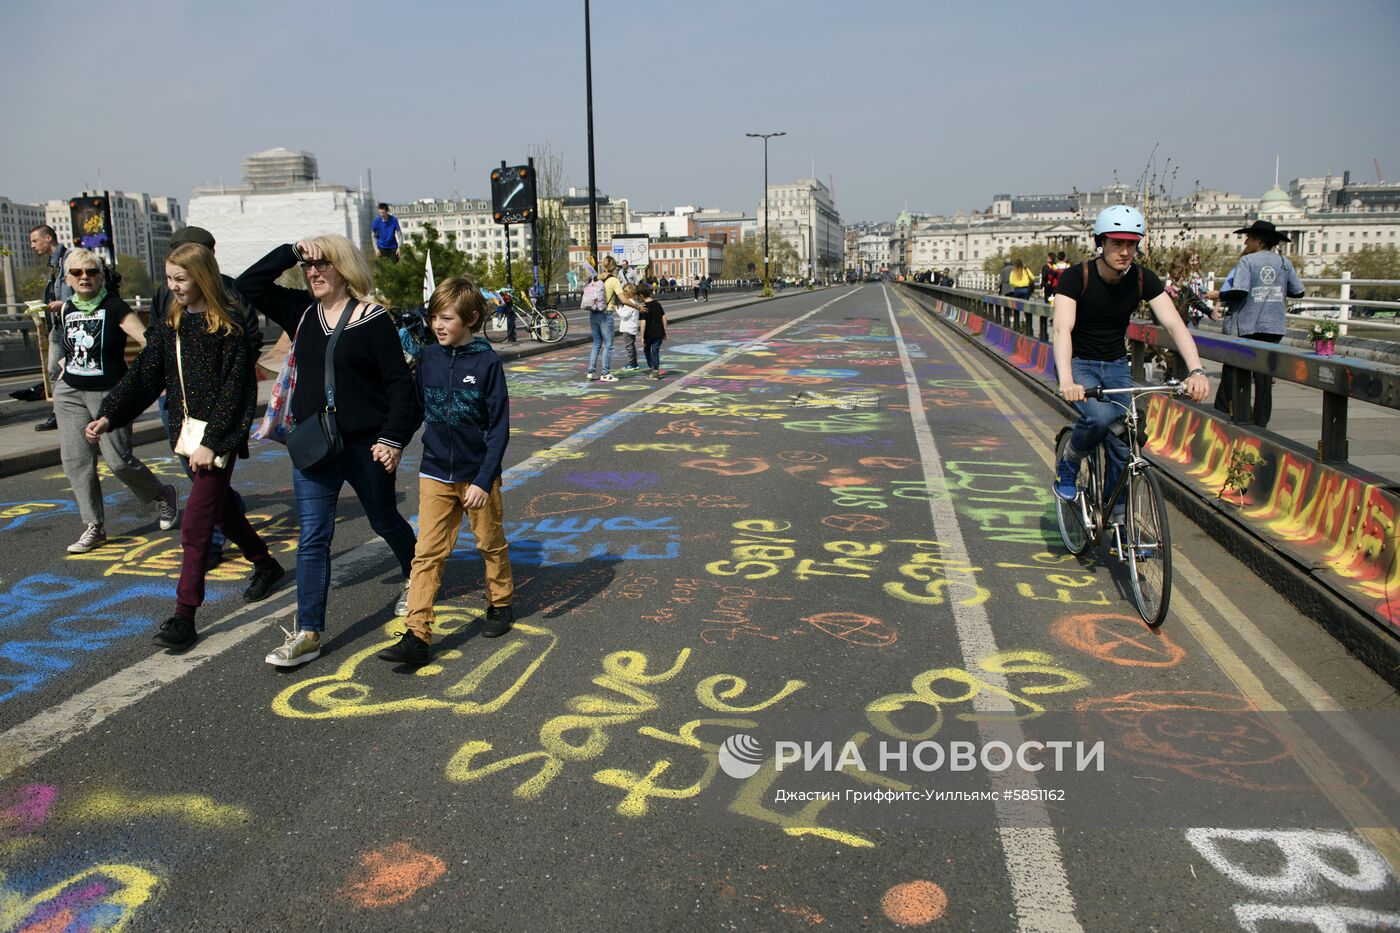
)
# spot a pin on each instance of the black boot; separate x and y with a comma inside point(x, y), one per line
point(498, 621)
point(48, 424)
point(410, 650)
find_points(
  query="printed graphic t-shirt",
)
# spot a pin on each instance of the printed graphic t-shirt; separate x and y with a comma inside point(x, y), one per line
point(94, 344)
point(1102, 310)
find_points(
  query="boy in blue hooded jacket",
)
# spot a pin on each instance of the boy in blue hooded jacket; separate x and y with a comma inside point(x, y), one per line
point(466, 426)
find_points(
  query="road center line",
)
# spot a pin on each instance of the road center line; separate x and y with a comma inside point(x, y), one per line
point(1039, 884)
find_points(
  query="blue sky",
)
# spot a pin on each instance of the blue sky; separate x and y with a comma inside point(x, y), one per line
point(937, 105)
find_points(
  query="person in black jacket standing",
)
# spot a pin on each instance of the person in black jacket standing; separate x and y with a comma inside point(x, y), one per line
point(215, 366)
point(376, 413)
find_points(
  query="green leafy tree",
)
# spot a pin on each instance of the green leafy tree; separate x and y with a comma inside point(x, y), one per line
point(494, 275)
point(31, 282)
point(743, 259)
point(1370, 262)
point(400, 284)
point(1033, 255)
point(136, 281)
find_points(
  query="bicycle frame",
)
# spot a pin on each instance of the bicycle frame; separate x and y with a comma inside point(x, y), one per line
point(1136, 463)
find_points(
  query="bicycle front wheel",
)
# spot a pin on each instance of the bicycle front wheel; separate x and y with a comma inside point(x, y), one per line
point(496, 327)
point(552, 326)
point(1074, 525)
point(1149, 547)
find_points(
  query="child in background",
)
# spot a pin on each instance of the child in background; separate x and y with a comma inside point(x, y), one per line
point(627, 317)
point(466, 426)
point(653, 330)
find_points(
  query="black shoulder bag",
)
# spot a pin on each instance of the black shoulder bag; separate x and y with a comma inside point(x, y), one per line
point(315, 442)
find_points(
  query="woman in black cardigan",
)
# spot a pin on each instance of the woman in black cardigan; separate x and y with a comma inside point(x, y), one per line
point(223, 391)
point(376, 413)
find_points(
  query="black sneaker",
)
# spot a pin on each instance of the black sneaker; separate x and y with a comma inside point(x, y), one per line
point(498, 621)
point(215, 558)
point(410, 650)
point(265, 577)
point(49, 424)
point(176, 633)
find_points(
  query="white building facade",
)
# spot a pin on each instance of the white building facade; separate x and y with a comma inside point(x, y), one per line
point(469, 220)
point(803, 213)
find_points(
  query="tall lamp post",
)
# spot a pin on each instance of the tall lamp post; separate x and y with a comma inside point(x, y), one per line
point(592, 178)
point(765, 137)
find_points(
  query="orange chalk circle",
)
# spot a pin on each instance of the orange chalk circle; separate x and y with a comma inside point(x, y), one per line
point(562, 503)
point(392, 875)
point(914, 903)
point(1117, 639)
point(856, 629)
point(801, 456)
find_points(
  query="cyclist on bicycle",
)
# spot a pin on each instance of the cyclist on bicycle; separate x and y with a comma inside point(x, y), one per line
point(1093, 303)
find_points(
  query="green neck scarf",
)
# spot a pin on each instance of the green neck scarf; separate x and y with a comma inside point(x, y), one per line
point(88, 305)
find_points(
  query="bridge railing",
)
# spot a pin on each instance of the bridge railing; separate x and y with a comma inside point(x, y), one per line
point(1339, 378)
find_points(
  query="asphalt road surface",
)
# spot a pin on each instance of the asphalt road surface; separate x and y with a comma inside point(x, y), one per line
point(831, 517)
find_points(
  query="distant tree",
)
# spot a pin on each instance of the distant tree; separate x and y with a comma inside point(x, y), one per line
point(136, 281)
point(1370, 262)
point(1032, 254)
point(494, 274)
point(551, 230)
point(400, 284)
point(743, 259)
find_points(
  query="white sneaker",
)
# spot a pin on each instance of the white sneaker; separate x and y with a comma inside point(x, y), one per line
point(92, 536)
point(168, 507)
point(299, 648)
point(401, 607)
point(608, 377)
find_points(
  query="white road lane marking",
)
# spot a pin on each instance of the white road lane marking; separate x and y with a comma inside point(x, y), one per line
point(1034, 863)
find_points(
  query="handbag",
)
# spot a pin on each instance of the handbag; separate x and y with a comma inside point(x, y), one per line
point(191, 429)
point(316, 441)
point(277, 419)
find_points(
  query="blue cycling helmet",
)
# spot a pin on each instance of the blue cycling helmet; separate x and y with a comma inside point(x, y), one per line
point(1120, 222)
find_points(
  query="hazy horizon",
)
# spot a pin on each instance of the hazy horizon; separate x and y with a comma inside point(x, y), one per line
point(968, 113)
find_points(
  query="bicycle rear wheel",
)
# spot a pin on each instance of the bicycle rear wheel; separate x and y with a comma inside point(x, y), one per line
point(552, 326)
point(1073, 520)
point(1149, 547)
point(496, 327)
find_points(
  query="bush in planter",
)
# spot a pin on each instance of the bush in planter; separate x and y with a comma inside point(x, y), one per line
point(1324, 330)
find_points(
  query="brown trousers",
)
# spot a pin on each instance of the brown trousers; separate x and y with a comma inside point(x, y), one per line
point(440, 510)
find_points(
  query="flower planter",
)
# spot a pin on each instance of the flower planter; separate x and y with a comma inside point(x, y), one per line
point(1324, 347)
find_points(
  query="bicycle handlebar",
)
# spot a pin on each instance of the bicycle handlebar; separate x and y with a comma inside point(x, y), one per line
point(1172, 386)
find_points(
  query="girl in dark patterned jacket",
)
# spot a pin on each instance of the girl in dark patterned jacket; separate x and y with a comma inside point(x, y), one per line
point(204, 326)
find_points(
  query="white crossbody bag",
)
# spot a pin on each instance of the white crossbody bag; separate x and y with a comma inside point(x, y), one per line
point(191, 429)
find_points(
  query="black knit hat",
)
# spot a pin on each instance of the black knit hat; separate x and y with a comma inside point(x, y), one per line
point(197, 235)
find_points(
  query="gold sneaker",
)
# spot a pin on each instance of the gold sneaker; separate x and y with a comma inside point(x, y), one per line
point(299, 648)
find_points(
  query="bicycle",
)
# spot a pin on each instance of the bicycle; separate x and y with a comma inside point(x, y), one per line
point(546, 326)
point(1084, 520)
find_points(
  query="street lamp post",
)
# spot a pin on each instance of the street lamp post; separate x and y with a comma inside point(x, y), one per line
point(592, 178)
point(765, 137)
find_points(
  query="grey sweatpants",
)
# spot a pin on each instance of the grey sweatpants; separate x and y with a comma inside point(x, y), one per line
point(74, 409)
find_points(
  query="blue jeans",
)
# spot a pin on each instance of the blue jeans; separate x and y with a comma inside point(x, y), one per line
point(1096, 419)
point(317, 493)
point(652, 349)
point(601, 324)
point(217, 542)
point(1021, 292)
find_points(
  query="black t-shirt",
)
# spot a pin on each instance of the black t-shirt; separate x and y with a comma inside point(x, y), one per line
point(655, 320)
point(1102, 310)
point(94, 344)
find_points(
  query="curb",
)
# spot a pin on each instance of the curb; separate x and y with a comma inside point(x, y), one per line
point(1295, 582)
point(40, 457)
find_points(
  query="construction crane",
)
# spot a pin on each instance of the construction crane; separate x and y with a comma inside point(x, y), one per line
point(1380, 173)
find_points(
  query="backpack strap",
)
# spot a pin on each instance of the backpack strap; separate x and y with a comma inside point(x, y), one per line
point(1142, 278)
point(1084, 278)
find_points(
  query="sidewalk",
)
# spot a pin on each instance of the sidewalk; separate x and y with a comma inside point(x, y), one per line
point(23, 449)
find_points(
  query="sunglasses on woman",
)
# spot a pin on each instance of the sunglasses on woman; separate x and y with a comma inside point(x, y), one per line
point(319, 265)
point(80, 273)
